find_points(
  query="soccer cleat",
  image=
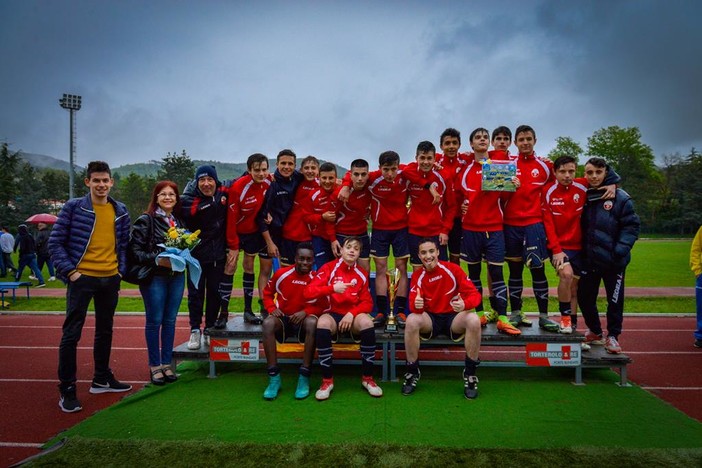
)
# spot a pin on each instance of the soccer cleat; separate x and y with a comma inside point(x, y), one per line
point(507, 327)
point(379, 319)
point(518, 319)
point(221, 322)
point(325, 390)
point(109, 385)
point(593, 338)
point(194, 341)
point(612, 345)
point(303, 387)
point(401, 319)
point(491, 316)
point(69, 402)
point(483, 318)
point(470, 386)
point(371, 387)
point(565, 326)
point(250, 317)
point(410, 383)
point(274, 384)
point(549, 325)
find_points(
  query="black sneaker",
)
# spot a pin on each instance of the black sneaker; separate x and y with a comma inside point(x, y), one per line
point(221, 322)
point(410, 382)
point(110, 385)
point(69, 402)
point(698, 344)
point(379, 319)
point(470, 386)
point(250, 317)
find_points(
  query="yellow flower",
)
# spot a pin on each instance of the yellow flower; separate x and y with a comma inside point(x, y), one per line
point(172, 233)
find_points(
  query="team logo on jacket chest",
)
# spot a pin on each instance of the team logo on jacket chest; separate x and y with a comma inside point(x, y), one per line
point(576, 198)
point(608, 205)
point(535, 173)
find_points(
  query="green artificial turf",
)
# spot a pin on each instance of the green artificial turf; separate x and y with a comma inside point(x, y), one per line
point(533, 408)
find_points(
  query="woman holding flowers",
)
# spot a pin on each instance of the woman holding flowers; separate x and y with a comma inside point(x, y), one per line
point(162, 291)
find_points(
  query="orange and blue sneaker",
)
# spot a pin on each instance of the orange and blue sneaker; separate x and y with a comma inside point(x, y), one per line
point(504, 325)
point(401, 319)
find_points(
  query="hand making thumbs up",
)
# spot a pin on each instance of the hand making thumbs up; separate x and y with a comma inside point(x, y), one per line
point(419, 300)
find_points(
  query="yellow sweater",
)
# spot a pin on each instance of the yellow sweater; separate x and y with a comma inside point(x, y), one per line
point(696, 253)
point(100, 257)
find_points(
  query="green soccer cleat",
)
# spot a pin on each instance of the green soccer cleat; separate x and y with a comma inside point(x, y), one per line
point(549, 325)
point(491, 316)
point(274, 384)
point(303, 388)
point(518, 319)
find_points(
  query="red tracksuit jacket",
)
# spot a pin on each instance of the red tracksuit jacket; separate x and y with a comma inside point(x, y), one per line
point(356, 299)
point(439, 286)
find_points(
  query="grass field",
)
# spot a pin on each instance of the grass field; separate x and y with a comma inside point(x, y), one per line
point(531, 417)
point(655, 263)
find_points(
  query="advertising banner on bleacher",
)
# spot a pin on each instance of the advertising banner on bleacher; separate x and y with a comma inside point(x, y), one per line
point(553, 354)
point(222, 349)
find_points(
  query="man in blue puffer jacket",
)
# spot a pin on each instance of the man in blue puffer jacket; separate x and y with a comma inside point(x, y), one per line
point(610, 228)
point(88, 246)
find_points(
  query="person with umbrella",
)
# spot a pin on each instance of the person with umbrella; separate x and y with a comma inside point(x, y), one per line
point(41, 238)
point(27, 255)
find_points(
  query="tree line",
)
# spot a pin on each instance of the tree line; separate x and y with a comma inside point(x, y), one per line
point(668, 198)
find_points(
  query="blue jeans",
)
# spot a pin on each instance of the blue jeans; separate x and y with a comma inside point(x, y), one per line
point(162, 298)
point(698, 294)
point(29, 260)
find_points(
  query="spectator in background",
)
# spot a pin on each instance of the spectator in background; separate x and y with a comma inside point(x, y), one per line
point(41, 238)
point(7, 244)
point(27, 255)
point(696, 266)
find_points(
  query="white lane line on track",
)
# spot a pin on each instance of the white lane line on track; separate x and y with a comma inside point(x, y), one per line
point(55, 348)
point(20, 445)
point(131, 382)
point(673, 388)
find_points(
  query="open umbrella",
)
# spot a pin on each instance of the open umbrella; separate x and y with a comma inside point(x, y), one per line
point(45, 218)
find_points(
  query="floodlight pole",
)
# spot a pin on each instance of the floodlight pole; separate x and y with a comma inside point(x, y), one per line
point(72, 103)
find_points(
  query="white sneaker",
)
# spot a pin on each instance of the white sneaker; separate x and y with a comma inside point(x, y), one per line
point(206, 340)
point(372, 388)
point(52, 278)
point(32, 277)
point(585, 347)
point(325, 390)
point(194, 342)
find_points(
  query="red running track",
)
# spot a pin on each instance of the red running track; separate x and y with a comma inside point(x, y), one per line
point(665, 363)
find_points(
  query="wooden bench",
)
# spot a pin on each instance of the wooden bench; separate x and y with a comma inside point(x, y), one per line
point(6, 286)
point(538, 345)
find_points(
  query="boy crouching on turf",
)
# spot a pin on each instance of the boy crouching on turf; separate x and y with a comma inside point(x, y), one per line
point(284, 300)
point(346, 286)
point(441, 298)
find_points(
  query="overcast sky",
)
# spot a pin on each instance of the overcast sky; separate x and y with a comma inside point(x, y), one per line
point(342, 80)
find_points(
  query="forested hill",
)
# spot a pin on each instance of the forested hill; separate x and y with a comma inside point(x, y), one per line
point(224, 170)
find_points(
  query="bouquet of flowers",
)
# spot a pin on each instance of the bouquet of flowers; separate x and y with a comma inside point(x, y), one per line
point(178, 244)
point(181, 238)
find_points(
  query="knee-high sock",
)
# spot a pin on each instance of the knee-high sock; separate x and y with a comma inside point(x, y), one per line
point(474, 275)
point(499, 289)
point(367, 351)
point(225, 292)
point(324, 352)
point(249, 279)
point(516, 284)
point(540, 289)
point(471, 366)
